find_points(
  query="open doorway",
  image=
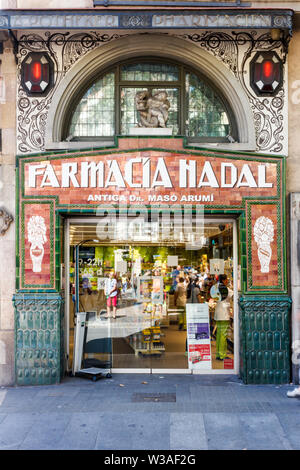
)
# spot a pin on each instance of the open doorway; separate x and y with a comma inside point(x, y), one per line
point(163, 302)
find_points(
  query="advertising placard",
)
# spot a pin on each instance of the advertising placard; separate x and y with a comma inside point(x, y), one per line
point(150, 289)
point(198, 336)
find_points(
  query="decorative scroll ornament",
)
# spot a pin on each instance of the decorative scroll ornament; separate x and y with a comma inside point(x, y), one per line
point(5, 221)
point(65, 50)
point(135, 21)
point(153, 109)
point(235, 50)
point(264, 235)
point(36, 232)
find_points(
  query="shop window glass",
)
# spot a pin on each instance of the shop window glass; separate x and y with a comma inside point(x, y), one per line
point(129, 114)
point(206, 113)
point(95, 113)
point(158, 295)
point(150, 72)
point(108, 107)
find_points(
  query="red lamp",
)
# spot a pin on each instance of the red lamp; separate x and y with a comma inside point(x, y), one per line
point(37, 73)
point(266, 73)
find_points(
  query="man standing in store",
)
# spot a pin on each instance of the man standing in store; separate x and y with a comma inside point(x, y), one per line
point(175, 273)
point(135, 285)
point(193, 290)
point(180, 302)
point(222, 316)
point(111, 292)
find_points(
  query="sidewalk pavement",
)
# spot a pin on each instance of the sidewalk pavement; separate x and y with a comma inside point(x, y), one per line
point(149, 412)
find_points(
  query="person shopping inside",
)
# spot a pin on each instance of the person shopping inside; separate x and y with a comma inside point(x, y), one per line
point(222, 316)
point(180, 302)
point(111, 292)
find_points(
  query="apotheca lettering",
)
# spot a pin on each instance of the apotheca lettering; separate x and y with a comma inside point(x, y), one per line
point(179, 459)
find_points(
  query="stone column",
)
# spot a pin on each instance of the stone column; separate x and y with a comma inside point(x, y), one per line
point(7, 202)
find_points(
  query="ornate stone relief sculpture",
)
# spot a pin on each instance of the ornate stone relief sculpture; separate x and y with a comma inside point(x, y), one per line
point(153, 109)
point(5, 221)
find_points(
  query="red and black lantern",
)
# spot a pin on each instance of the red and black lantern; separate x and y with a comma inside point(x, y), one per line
point(37, 73)
point(266, 73)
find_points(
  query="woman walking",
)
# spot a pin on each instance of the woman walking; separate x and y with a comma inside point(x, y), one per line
point(111, 292)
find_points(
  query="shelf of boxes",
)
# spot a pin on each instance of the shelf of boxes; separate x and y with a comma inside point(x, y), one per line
point(147, 342)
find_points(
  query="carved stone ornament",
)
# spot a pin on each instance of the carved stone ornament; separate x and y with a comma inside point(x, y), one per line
point(153, 109)
point(5, 221)
point(234, 49)
point(65, 50)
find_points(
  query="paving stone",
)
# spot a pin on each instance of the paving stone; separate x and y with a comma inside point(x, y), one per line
point(187, 432)
point(223, 431)
point(3, 394)
point(14, 429)
point(134, 431)
point(81, 432)
point(47, 432)
point(2, 417)
point(290, 423)
point(263, 432)
point(215, 412)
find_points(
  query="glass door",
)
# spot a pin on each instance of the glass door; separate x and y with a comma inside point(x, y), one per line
point(156, 299)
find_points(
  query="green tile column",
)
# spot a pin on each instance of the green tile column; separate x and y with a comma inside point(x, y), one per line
point(38, 338)
point(265, 339)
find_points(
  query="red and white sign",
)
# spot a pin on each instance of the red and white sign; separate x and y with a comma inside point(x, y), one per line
point(198, 336)
point(199, 353)
point(147, 177)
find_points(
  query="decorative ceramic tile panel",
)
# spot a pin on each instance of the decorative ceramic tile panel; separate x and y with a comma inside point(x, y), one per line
point(265, 339)
point(38, 334)
point(37, 245)
point(265, 246)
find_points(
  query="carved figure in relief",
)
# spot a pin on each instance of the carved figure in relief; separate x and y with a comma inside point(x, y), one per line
point(264, 235)
point(36, 233)
point(5, 221)
point(153, 109)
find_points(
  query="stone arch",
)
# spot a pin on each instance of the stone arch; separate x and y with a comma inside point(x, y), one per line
point(159, 45)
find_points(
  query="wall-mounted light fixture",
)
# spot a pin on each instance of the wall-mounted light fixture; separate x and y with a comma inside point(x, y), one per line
point(37, 73)
point(266, 73)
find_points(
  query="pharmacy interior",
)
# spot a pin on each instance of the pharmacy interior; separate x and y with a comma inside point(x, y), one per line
point(166, 297)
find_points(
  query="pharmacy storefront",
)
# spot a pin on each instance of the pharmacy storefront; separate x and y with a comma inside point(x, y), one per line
point(153, 217)
point(151, 194)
